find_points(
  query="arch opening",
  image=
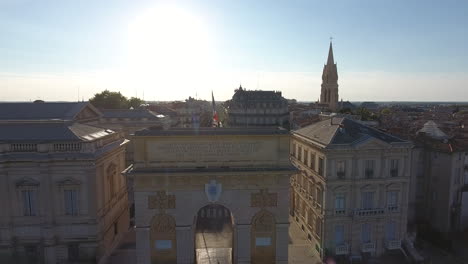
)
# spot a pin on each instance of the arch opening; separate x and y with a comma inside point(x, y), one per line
point(214, 235)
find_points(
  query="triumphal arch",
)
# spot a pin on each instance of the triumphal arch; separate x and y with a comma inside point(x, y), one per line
point(211, 195)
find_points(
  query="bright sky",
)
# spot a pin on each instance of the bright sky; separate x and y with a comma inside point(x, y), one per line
point(166, 50)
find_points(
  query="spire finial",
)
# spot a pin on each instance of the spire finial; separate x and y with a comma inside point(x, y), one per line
point(330, 59)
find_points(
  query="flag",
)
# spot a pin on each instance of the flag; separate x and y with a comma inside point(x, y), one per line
point(215, 114)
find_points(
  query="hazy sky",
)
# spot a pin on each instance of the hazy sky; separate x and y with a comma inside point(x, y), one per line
point(165, 50)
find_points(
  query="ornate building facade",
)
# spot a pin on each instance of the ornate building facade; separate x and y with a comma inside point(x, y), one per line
point(190, 184)
point(351, 197)
point(329, 92)
point(62, 195)
point(257, 108)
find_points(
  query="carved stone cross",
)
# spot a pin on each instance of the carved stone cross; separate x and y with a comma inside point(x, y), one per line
point(161, 201)
point(263, 199)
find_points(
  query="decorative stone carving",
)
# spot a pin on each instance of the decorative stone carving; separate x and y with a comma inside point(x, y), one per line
point(263, 199)
point(161, 201)
point(163, 223)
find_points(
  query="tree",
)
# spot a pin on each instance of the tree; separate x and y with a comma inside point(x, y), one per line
point(114, 100)
point(134, 102)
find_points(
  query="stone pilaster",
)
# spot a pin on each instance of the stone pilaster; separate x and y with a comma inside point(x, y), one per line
point(185, 244)
point(243, 243)
point(143, 254)
point(282, 240)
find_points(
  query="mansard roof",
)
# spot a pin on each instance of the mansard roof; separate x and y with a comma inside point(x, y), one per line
point(339, 131)
point(257, 95)
point(50, 132)
point(28, 111)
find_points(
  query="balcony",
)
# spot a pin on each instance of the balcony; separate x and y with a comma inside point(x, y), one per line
point(342, 250)
point(340, 174)
point(393, 244)
point(394, 172)
point(369, 212)
point(340, 211)
point(368, 247)
point(392, 208)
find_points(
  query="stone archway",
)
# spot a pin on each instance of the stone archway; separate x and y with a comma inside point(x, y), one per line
point(214, 237)
point(263, 238)
point(163, 243)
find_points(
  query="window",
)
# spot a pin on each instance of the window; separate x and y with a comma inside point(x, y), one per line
point(390, 230)
point(340, 169)
point(366, 233)
point(293, 151)
point(318, 227)
point(112, 175)
point(71, 201)
point(457, 176)
point(367, 200)
point(340, 203)
point(319, 196)
point(339, 235)
point(312, 161)
point(29, 202)
point(320, 167)
point(299, 153)
point(392, 200)
point(310, 218)
point(369, 169)
point(394, 168)
point(73, 252)
point(306, 158)
point(32, 253)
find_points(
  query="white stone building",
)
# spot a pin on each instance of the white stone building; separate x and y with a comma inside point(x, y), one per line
point(351, 197)
point(62, 195)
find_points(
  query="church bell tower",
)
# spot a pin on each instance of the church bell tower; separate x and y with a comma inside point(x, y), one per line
point(329, 92)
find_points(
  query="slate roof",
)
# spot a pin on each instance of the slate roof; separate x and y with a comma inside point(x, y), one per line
point(343, 131)
point(44, 132)
point(40, 111)
point(157, 131)
point(129, 113)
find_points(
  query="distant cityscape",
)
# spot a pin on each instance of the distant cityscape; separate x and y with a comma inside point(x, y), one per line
point(255, 179)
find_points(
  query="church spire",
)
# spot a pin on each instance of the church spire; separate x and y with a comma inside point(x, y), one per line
point(330, 60)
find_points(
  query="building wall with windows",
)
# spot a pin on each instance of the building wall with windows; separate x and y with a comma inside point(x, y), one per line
point(351, 197)
point(62, 194)
point(66, 205)
point(440, 179)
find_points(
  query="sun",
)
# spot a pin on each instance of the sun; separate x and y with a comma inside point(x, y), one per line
point(167, 42)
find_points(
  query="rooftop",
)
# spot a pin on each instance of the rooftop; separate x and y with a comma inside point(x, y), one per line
point(44, 132)
point(341, 130)
point(207, 131)
point(129, 113)
point(40, 111)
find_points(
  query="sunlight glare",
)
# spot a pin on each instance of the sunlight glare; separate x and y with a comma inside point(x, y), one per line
point(167, 42)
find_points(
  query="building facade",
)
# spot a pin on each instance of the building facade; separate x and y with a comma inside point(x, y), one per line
point(257, 108)
point(191, 184)
point(62, 193)
point(351, 196)
point(440, 180)
point(329, 92)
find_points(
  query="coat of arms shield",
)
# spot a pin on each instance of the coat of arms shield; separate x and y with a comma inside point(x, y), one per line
point(213, 191)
